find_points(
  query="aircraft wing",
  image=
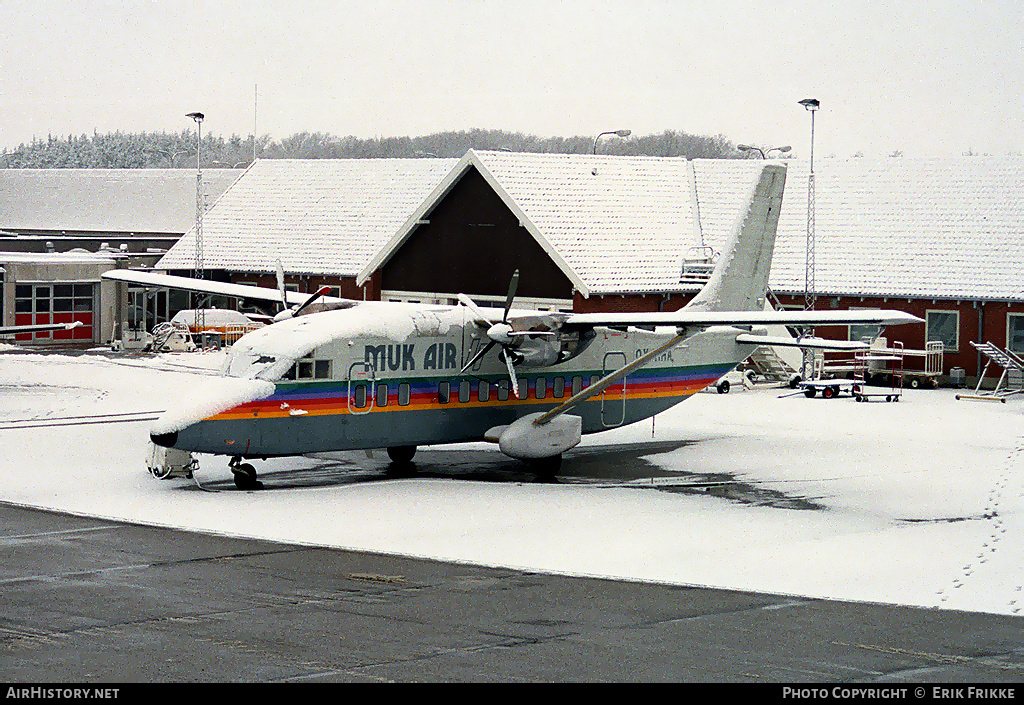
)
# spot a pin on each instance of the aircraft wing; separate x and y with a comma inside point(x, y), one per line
point(685, 318)
point(204, 286)
point(12, 330)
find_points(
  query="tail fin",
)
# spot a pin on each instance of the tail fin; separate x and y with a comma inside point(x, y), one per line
point(740, 278)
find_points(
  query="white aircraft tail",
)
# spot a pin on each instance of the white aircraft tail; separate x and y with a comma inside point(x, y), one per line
point(740, 278)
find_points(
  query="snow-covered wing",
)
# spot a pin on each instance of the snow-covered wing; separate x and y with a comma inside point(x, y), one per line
point(169, 281)
point(11, 330)
point(686, 317)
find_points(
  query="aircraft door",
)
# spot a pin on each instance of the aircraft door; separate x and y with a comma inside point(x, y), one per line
point(360, 388)
point(613, 398)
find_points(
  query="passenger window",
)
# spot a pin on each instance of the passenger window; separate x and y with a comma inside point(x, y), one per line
point(540, 388)
point(558, 387)
point(403, 394)
point(305, 369)
point(443, 392)
point(483, 392)
point(577, 385)
point(359, 396)
point(503, 386)
point(594, 379)
point(465, 389)
point(382, 395)
point(322, 369)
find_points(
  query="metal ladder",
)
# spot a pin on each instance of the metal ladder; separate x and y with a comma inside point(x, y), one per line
point(1010, 382)
point(768, 364)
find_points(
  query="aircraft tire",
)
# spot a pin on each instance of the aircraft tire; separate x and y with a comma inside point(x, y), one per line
point(245, 477)
point(546, 468)
point(401, 454)
point(723, 387)
point(809, 392)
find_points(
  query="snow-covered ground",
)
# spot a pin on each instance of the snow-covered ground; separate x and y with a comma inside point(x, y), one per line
point(919, 502)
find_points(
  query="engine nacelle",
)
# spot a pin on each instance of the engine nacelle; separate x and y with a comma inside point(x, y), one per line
point(525, 440)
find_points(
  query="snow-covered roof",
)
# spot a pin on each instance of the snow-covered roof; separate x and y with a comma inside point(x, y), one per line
point(894, 227)
point(916, 228)
point(105, 200)
point(611, 223)
point(50, 258)
point(319, 216)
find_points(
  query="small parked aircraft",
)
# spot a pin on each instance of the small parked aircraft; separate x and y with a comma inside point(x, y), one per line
point(370, 374)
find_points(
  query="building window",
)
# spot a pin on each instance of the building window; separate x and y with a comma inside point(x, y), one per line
point(943, 326)
point(1015, 332)
point(864, 332)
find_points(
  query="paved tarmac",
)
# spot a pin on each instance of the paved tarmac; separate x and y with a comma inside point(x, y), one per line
point(89, 600)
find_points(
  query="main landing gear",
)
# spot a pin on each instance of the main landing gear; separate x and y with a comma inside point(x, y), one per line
point(245, 475)
point(546, 468)
point(401, 455)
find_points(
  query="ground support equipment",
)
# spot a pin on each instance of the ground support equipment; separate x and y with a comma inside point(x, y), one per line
point(1010, 382)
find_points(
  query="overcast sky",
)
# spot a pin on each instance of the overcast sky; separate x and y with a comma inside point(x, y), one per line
point(928, 78)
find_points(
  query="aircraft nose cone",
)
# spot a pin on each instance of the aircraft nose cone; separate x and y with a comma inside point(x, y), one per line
point(164, 439)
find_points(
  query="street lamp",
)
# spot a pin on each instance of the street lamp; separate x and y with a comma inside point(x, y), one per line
point(811, 105)
point(619, 133)
point(763, 152)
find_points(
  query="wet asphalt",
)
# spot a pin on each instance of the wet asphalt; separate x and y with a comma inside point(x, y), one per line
point(87, 600)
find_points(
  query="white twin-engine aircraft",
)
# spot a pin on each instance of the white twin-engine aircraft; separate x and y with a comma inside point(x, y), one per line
point(362, 375)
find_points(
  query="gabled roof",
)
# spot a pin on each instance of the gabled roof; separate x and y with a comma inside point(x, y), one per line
point(319, 216)
point(612, 224)
point(894, 227)
point(105, 200)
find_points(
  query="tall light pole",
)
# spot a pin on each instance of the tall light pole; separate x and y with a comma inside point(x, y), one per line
point(620, 133)
point(198, 117)
point(811, 105)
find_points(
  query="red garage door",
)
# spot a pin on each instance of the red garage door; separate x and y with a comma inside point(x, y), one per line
point(55, 303)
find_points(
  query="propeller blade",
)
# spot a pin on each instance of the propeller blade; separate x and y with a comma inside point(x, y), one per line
point(480, 353)
point(512, 286)
point(280, 284)
point(316, 295)
point(468, 303)
point(511, 373)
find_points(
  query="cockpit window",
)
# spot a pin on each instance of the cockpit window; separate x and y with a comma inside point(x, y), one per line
point(306, 369)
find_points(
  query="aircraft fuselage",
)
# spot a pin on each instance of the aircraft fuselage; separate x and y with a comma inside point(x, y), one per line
point(387, 374)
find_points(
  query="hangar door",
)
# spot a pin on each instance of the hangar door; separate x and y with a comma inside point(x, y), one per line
point(52, 302)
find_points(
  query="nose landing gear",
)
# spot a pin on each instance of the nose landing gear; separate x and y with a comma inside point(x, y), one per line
point(245, 475)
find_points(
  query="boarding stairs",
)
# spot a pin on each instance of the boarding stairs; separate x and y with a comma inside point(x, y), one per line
point(1011, 381)
point(768, 365)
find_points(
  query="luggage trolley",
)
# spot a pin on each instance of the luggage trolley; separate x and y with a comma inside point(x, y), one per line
point(895, 363)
